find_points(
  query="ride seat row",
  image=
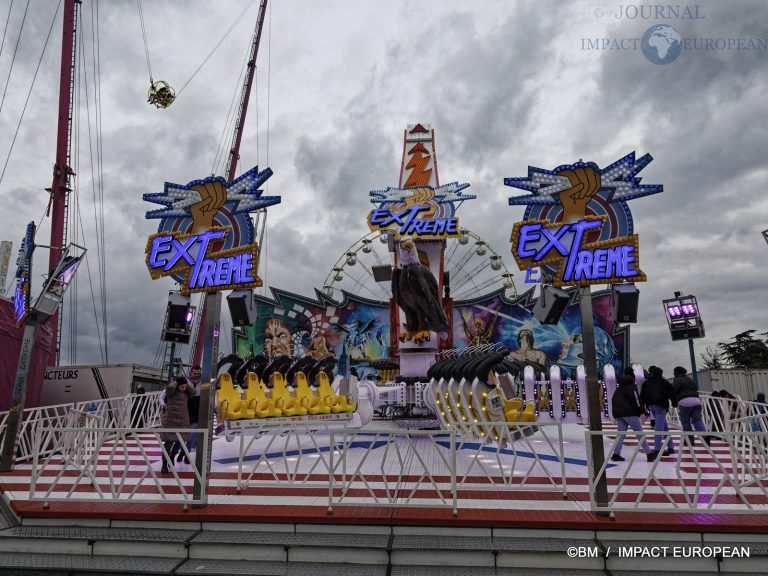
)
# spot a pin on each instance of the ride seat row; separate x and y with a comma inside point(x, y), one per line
point(257, 400)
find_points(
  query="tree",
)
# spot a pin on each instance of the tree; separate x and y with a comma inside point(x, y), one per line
point(745, 350)
point(713, 360)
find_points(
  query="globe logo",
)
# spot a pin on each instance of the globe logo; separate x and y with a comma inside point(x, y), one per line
point(661, 44)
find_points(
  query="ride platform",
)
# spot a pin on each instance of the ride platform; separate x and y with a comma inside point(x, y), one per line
point(383, 475)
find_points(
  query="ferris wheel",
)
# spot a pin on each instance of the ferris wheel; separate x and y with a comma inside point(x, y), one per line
point(474, 268)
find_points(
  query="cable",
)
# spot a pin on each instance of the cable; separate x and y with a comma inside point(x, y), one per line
point(15, 134)
point(7, 20)
point(15, 49)
point(144, 37)
point(220, 151)
point(235, 23)
point(100, 172)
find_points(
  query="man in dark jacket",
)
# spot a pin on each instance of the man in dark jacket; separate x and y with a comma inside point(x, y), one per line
point(626, 411)
point(688, 404)
point(657, 395)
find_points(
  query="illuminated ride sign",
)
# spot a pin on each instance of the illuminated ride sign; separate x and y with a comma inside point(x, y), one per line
point(578, 227)
point(202, 268)
point(205, 238)
point(423, 212)
point(578, 262)
point(23, 270)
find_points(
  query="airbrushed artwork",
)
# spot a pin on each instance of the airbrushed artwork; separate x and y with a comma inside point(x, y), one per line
point(356, 331)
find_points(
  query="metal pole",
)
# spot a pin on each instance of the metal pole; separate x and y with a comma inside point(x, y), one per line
point(208, 389)
point(13, 424)
point(171, 373)
point(593, 396)
point(61, 169)
point(693, 362)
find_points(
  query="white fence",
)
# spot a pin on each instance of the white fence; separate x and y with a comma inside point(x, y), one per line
point(91, 462)
point(136, 410)
point(399, 467)
point(87, 452)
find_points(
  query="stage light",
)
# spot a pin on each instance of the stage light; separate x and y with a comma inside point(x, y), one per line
point(178, 318)
point(683, 317)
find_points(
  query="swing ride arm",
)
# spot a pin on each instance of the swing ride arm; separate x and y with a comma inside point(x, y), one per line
point(234, 155)
point(234, 151)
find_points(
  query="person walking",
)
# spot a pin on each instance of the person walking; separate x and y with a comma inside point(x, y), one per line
point(176, 415)
point(657, 394)
point(193, 406)
point(627, 409)
point(138, 407)
point(688, 405)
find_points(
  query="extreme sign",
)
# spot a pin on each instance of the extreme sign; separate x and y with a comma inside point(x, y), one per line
point(205, 238)
point(202, 268)
point(579, 262)
point(423, 212)
point(578, 227)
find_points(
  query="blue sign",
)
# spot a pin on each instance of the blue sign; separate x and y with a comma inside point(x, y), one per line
point(580, 262)
point(23, 269)
point(411, 225)
point(202, 268)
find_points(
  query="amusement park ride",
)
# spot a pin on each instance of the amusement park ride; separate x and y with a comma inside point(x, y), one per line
point(420, 319)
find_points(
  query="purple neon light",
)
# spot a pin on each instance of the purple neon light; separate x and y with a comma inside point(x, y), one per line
point(689, 309)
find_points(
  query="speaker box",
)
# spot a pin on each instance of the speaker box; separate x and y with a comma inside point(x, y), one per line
point(686, 330)
point(241, 307)
point(382, 273)
point(624, 299)
point(550, 305)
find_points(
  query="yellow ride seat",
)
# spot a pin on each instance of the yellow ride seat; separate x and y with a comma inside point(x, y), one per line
point(307, 397)
point(232, 405)
point(327, 394)
point(258, 401)
point(529, 413)
point(279, 392)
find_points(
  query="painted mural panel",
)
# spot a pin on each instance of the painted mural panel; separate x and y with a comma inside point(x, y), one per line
point(356, 331)
point(495, 319)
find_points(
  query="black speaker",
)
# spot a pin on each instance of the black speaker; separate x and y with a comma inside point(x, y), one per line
point(382, 273)
point(550, 305)
point(692, 328)
point(624, 299)
point(241, 307)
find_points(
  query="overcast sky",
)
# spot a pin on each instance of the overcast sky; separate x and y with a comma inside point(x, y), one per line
point(505, 85)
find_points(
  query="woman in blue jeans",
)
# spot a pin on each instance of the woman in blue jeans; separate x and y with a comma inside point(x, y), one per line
point(657, 395)
point(688, 404)
point(627, 408)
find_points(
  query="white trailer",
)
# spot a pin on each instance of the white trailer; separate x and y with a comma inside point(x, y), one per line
point(65, 384)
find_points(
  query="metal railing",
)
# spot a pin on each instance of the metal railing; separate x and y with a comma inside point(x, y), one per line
point(700, 479)
point(92, 462)
point(127, 411)
point(98, 451)
point(399, 467)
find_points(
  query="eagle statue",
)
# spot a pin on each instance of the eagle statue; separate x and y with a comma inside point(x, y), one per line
point(415, 290)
